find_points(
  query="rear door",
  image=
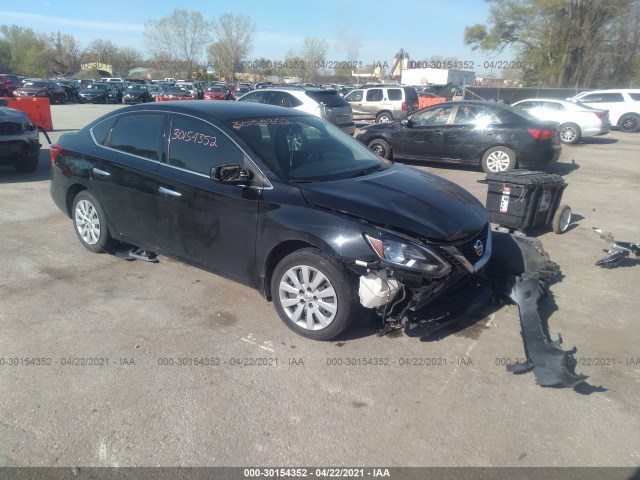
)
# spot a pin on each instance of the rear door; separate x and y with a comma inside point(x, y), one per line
point(124, 179)
point(472, 129)
point(205, 222)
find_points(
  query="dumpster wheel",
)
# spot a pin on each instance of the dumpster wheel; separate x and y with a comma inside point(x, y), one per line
point(562, 219)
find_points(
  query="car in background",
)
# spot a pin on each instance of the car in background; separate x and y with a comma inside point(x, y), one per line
point(19, 142)
point(576, 119)
point(497, 137)
point(277, 199)
point(382, 103)
point(98, 92)
point(41, 89)
point(177, 92)
point(623, 106)
point(8, 83)
point(137, 93)
point(327, 104)
point(156, 91)
point(194, 90)
point(71, 88)
point(217, 92)
point(240, 91)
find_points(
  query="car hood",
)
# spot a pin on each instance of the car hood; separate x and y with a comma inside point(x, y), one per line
point(12, 115)
point(405, 199)
point(30, 90)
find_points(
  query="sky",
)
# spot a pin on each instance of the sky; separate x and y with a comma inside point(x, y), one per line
point(372, 31)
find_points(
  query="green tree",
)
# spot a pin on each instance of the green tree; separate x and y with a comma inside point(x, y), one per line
point(567, 43)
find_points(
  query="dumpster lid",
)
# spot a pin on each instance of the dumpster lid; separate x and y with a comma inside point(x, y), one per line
point(524, 177)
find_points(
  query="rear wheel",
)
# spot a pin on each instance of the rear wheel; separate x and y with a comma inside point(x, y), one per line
point(498, 159)
point(629, 122)
point(384, 117)
point(569, 133)
point(380, 148)
point(90, 223)
point(313, 294)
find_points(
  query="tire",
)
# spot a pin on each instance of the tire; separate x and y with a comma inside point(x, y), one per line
point(380, 148)
point(31, 165)
point(326, 281)
point(90, 224)
point(498, 159)
point(629, 122)
point(384, 117)
point(569, 133)
point(562, 219)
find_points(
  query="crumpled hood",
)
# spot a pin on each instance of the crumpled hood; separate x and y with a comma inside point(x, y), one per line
point(12, 115)
point(403, 198)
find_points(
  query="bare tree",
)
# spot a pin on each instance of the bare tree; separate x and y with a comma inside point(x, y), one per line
point(102, 51)
point(182, 36)
point(234, 35)
point(314, 54)
point(127, 58)
point(67, 53)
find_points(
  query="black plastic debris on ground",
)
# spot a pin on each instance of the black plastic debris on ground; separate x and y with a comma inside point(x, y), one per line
point(522, 272)
point(618, 251)
point(127, 252)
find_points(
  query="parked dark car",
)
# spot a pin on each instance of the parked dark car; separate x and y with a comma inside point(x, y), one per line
point(274, 198)
point(98, 92)
point(8, 83)
point(177, 92)
point(495, 136)
point(19, 143)
point(42, 89)
point(71, 88)
point(137, 93)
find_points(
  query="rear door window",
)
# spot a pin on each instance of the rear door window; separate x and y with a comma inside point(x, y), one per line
point(635, 96)
point(138, 135)
point(328, 97)
point(394, 94)
point(374, 95)
point(602, 98)
point(354, 96)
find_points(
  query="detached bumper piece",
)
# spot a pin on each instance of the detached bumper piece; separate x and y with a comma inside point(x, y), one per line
point(136, 253)
point(522, 272)
point(552, 366)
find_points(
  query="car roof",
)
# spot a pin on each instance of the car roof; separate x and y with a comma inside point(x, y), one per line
point(215, 110)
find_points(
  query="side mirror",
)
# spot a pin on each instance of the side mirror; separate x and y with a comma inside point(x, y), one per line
point(232, 173)
point(407, 122)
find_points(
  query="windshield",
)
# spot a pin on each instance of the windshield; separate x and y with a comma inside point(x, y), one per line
point(35, 85)
point(306, 148)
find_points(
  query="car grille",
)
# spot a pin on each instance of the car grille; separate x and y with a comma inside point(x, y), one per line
point(11, 128)
point(467, 247)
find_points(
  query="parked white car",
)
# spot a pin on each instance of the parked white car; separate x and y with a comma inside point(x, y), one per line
point(576, 119)
point(623, 106)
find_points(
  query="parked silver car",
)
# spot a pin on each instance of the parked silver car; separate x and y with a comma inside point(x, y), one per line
point(576, 119)
point(382, 103)
point(324, 103)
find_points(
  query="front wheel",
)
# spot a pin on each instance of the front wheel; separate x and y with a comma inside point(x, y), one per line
point(498, 159)
point(569, 133)
point(629, 122)
point(380, 148)
point(313, 294)
point(90, 223)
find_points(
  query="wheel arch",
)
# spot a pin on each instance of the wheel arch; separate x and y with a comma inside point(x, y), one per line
point(72, 193)
point(276, 255)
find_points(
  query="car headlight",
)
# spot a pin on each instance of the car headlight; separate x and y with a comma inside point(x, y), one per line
point(409, 255)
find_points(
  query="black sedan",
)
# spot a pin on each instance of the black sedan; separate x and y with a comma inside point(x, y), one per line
point(99, 92)
point(41, 89)
point(274, 198)
point(137, 93)
point(493, 135)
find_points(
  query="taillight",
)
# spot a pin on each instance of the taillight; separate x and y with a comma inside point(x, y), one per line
point(541, 133)
point(54, 151)
point(404, 107)
point(599, 114)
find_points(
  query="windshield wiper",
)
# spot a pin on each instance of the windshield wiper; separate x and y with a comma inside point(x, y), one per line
point(367, 171)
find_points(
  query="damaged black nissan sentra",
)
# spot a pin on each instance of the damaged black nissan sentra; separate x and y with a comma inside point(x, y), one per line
point(276, 199)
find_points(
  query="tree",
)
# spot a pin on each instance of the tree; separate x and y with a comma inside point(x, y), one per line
point(126, 59)
point(234, 37)
point(181, 36)
point(29, 52)
point(569, 43)
point(67, 53)
point(314, 54)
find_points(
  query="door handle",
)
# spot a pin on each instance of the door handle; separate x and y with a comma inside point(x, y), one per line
point(101, 173)
point(437, 133)
point(166, 191)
